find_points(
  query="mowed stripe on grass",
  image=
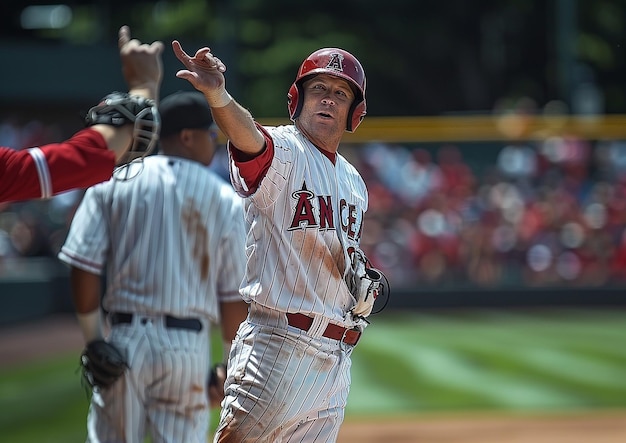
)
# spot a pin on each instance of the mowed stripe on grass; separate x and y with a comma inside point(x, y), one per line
point(509, 360)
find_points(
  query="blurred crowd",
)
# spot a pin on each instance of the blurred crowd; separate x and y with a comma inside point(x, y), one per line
point(551, 213)
point(545, 213)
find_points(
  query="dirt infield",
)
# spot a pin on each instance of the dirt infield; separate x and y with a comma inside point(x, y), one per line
point(579, 428)
point(37, 340)
point(60, 334)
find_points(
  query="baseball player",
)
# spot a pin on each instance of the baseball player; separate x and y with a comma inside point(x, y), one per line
point(289, 368)
point(90, 155)
point(170, 241)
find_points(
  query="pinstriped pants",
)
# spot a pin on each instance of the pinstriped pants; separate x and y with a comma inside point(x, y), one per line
point(163, 393)
point(283, 386)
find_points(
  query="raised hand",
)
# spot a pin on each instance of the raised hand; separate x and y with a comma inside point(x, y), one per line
point(204, 71)
point(142, 66)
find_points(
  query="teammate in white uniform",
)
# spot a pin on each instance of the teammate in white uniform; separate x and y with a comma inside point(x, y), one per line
point(170, 240)
point(289, 367)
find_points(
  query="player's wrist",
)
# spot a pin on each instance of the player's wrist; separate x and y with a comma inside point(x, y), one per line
point(145, 90)
point(218, 98)
point(90, 324)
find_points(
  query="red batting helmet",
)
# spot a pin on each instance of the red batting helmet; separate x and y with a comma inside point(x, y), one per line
point(337, 62)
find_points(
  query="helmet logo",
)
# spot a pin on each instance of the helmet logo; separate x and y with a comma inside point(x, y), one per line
point(335, 62)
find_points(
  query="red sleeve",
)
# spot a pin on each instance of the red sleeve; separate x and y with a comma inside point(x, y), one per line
point(79, 162)
point(253, 170)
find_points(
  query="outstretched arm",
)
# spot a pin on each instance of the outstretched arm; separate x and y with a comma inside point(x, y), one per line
point(206, 73)
point(89, 156)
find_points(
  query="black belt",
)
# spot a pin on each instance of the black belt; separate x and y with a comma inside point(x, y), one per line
point(193, 324)
point(336, 332)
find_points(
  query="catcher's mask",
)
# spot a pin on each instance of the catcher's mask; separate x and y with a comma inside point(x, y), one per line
point(146, 131)
point(119, 108)
point(336, 62)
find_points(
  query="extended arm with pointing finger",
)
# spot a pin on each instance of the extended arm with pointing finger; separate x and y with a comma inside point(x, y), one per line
point(206, 73)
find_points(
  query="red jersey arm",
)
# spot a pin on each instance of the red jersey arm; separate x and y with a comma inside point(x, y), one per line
point(253, 170)
point(79, 162)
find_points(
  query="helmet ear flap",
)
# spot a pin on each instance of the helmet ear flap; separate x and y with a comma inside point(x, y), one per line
point(356, 115)
point(294, 101)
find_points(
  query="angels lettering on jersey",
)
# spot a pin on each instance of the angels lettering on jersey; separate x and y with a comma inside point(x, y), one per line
point(316, 212)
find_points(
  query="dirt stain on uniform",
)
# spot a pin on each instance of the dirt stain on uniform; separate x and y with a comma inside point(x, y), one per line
point(198, 236)
point(324, 248)
point(323, 362)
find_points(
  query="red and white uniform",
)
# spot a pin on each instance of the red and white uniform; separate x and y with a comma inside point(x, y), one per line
point(304, 215)
point(304, 208)
point(41, 172)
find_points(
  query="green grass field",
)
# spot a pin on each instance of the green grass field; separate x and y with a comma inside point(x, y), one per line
point(407, 363)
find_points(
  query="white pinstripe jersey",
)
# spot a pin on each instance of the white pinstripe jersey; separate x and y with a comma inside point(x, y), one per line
point(171, 238)
point(304, 216)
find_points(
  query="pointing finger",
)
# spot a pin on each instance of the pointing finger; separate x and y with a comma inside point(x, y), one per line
point(123, 36)
point(179, 52)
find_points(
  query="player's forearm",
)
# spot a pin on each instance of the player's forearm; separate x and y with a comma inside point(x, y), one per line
point(85, 290)
point(231, 316)
point(238, 126)
point(86, 296)
point(117, 139)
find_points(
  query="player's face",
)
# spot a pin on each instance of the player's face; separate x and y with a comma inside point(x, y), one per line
point(327, 101)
